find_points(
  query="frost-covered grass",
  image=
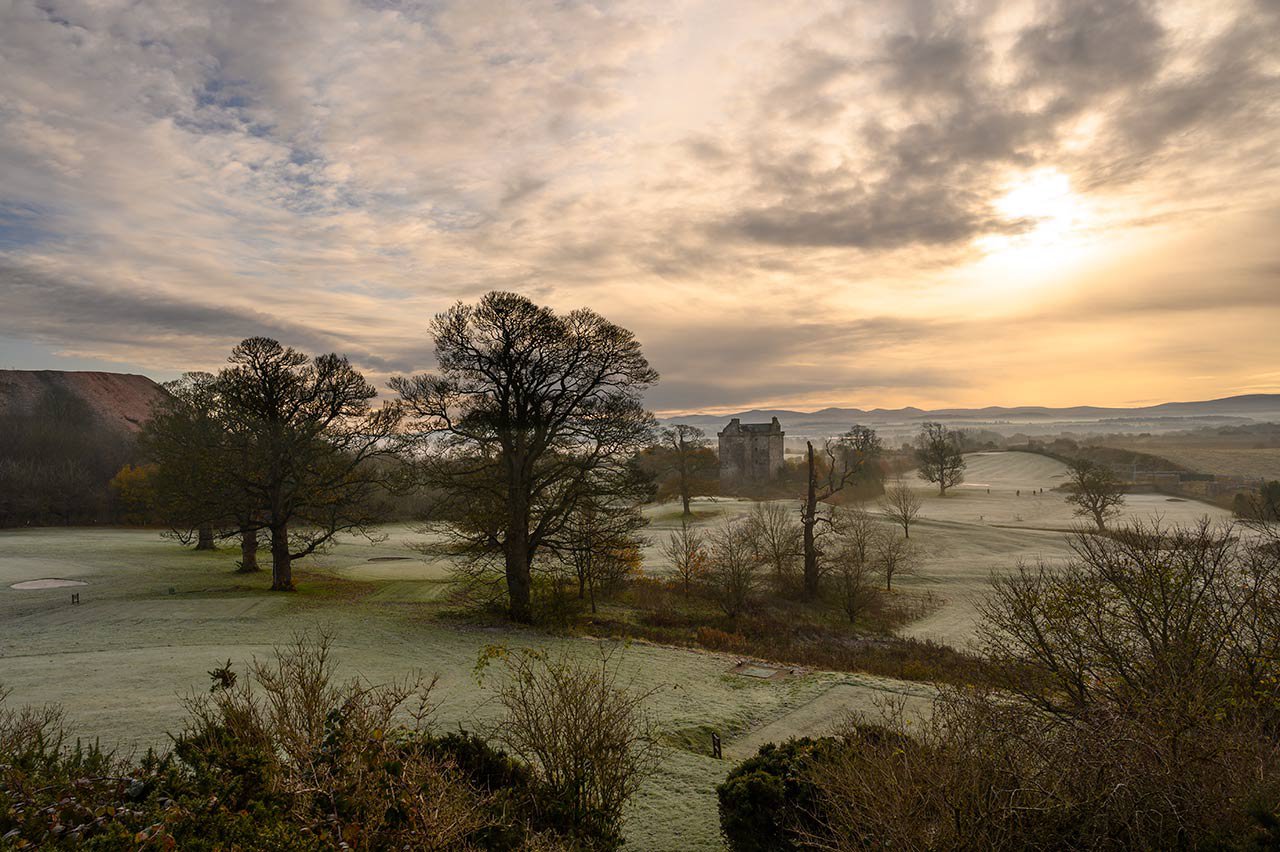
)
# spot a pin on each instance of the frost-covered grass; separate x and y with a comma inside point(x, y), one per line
point(155, 618)
point(121, 660)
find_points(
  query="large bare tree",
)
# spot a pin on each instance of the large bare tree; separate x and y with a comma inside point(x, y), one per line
point(531, 413)
point(841, 461)
point(940, 453)
point(303, 448)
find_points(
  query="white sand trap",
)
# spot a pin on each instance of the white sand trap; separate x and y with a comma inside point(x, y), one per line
point(47, 583)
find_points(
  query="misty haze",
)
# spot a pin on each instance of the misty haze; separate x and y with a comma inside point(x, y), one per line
point(573, 425)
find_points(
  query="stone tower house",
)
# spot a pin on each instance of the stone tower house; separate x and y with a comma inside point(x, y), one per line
point(750, 453)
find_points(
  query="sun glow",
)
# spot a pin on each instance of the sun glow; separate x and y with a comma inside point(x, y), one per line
point(1043, 195)
point(1053, 223)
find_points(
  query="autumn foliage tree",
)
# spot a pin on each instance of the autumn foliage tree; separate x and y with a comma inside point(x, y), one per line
point(602, 547)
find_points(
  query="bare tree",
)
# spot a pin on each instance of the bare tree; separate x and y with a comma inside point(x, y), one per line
point(733, 566)
point(854, 557)
point(857, 530)
point(1134, 707)
point(532, 413)
point(582, 729)
point(901, 504)
point(895, 555)
point(1096, 491)
point(843, 459)
point(186, 439)
point(302, 446)
point(686, 551)
point(777, 539)
point(1149, 613)
point(690, 458)
point(940, 454)
point(601, 546)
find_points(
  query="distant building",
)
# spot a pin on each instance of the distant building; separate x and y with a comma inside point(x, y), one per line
point(750, 453)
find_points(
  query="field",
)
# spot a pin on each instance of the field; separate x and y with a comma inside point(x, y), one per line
point(154, 618)
point(1234, 461)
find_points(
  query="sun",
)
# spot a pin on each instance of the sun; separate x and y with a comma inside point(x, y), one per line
point(1043, 196)
point(1053, 222)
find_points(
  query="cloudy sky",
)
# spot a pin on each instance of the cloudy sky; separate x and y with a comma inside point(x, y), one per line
point(791, 203)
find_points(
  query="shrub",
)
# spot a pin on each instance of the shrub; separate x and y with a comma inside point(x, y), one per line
point(583, 732)
point(289, 758)
point(769, 802)
point(1137, 709)
point(719, 640)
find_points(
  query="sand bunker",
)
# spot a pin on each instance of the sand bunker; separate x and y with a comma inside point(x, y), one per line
point(47, 583)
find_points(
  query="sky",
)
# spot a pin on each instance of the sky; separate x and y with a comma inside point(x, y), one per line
point(792, 204)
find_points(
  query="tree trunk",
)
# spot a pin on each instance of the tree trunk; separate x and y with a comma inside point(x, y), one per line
point(519, 580)
point(809, 519)
point(248, 550)
point(519, 576)
point(205, 539)
point(281, 560)
point(684, 498)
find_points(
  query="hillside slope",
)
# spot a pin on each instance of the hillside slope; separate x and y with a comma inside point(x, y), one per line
point(119, 401)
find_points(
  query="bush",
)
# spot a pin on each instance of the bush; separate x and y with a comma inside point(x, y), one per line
point(286, 759)
point(1136, 709)
point(583, 732)
point(769, 802)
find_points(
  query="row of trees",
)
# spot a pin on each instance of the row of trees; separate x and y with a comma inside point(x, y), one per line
point(275, 442)
point(526, 439)
point(530, 440)
point(737, 560)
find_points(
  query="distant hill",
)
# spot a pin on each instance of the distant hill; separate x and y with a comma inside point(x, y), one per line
point(1174, 415)
point(121, 402)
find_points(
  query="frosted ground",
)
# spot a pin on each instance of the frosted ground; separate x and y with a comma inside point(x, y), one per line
point(154, 619)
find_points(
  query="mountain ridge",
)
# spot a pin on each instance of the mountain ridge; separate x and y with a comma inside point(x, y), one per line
point(1251, 405)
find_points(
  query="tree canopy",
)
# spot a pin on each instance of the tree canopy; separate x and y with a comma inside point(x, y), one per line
point(531, 414)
